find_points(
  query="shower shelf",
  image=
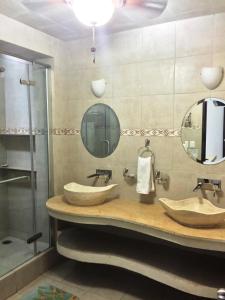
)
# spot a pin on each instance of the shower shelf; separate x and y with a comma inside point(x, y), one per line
point(14, 134)
point(14, 179)
point(16, 169)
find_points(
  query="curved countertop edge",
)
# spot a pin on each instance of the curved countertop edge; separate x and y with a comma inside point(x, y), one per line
point(186, 241)
point(151, 272)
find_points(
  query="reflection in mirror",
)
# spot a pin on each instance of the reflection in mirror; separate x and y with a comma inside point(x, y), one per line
point(203, 131)
point(100, 130)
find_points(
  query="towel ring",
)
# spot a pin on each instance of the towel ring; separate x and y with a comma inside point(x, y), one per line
point(146, 151)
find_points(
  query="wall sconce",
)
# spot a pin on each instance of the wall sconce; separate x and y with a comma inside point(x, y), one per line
point(211, 77)
point(98, 87)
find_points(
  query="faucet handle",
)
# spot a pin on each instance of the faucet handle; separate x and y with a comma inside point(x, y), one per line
point(221, 294)
point(198, 186)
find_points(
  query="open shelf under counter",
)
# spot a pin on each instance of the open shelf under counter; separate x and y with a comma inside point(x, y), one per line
point(148, 219)
point(190, 272)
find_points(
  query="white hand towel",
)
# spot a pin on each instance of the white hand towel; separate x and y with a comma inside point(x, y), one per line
point(145, 180)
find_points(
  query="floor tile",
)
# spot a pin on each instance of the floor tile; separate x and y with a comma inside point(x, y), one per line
point(16, 253)
point(99, 282)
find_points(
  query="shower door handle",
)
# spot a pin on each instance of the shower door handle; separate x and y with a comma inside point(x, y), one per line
point(34, 238)
point(107, 143)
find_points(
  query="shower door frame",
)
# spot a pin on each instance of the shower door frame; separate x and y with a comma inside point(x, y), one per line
point(48, 97)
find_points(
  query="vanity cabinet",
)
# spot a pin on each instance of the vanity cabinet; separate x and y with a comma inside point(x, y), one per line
point(141, 238)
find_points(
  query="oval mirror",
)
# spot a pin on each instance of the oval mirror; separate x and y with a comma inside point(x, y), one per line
point(203, 131)
point(100, 130)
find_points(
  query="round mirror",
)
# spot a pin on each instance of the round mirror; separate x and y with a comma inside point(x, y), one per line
point(203, 131)
point(100, 130)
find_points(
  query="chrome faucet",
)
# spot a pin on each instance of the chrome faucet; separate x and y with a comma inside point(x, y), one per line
point(198, 187)
point(221, 294)
point(99, 172)
point(208, 185)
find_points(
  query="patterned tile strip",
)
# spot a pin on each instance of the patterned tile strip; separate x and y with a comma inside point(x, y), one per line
point(22, 131)
point(74, 131)
point(151, 132)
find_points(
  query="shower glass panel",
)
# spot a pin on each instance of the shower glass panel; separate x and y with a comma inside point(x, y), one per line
point(23, 162)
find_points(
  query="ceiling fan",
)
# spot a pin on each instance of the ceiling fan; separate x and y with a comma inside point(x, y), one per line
point(157, 5)
point(98, 13)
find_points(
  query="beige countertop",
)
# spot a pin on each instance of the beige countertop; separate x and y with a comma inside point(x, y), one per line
point(149, 219)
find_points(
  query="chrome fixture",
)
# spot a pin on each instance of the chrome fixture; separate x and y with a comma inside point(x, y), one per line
point(27, 82)
point(146, 151)
point(161, 178)
point(128, 175)
point(188, 121)
point(221, 294)
point(198, 186)
point(208, 185)
point(4, 165)
point(106, 173)
point(14, 179)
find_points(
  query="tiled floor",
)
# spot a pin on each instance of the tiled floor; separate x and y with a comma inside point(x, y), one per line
point(16, 253)
point(96, 282)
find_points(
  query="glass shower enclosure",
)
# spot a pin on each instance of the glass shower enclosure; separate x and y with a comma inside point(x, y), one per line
point(24, 161)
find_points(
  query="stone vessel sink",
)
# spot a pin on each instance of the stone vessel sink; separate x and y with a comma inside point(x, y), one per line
point(83, 195)
point(195, 212)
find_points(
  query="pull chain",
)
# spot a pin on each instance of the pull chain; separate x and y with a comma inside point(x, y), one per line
point(93, 48)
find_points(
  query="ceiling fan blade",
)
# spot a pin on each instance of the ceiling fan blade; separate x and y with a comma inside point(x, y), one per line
point(151, 4)
point(36, 5)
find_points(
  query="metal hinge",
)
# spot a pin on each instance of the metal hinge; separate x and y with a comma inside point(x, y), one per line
point(27, 82)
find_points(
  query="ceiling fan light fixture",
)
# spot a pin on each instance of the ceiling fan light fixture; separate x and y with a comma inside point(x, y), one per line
point(93, 12)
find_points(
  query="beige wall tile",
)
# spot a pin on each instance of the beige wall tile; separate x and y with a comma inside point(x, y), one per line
point(128, 111)
point(163, 148)
point(187, 73)
point(126, 81)
point(79, 54)
point(219, 33)
point(127, 151)
point(157, 111)
point(194, 36)
point(219, 60)
point(156, 77)
point(126, 47)
point(79, 84)
point(158, 42)
point(141, 91)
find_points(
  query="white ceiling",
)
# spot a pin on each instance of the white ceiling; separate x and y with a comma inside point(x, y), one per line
point(56, 18)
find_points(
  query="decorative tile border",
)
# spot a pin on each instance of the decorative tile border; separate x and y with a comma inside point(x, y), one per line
point(151, 132)
point(73, 131)
point(65, 131)
point(22, 131)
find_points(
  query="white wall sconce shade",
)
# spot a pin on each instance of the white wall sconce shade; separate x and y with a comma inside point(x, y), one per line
point(211, 77)
point(98, 87)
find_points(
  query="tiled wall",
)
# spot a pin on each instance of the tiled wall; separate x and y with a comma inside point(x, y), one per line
point(152, 79)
